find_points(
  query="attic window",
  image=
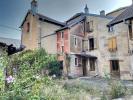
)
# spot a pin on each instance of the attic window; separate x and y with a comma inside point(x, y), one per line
point(28, 27)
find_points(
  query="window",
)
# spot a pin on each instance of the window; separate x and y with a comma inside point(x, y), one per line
point(62, 49)
point(75, 41)
point(130, 30)
point(112, 44)
point(28, 27)
point(92, 64)
point(114, 65)
point(62, 35)
point(76, 61)
point(89, 26)
point(91, 43)
point(111, 29)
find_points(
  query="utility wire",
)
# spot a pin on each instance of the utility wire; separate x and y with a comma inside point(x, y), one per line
point(4, 26)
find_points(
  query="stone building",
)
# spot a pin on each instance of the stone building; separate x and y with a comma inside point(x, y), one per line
point(123, 26)
point(39, 30)
point(83, 44)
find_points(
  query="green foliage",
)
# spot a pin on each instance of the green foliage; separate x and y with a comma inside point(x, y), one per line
point(117, 90)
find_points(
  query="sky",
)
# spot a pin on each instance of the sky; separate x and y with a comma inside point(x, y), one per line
point(12, 12)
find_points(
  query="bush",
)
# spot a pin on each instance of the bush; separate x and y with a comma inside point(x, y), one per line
point(117, 90)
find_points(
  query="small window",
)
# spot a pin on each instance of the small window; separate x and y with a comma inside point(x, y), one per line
point(62, 49)
point(76, 61)
point(110, 29)
point(91, 43)
point(92, 64)
point(28, 27)
point(89, 26)
point(62, 35)
point(75, 41)
point(130, 30)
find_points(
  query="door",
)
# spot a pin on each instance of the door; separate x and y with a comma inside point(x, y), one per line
point(115, 68)
point(84, 67)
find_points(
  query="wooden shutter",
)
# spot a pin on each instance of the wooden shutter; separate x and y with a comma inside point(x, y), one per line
point(110, 44)
point(114, 44)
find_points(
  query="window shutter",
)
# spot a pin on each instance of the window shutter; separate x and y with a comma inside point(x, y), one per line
point(95, 43)
point(110, 44)
point(114, 44)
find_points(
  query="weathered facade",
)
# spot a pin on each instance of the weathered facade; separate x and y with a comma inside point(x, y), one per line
point(84, 44)
point(38, 31)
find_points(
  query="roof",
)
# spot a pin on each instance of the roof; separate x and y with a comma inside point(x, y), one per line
point(122, 8)
point(9, 41)
point(43, 18)
point(86, 55)
point(125, 15)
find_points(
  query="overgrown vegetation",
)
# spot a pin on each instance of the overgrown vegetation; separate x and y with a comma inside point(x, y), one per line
point(29, 77)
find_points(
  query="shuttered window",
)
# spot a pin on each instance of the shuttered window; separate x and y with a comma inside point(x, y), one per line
point(112, 44)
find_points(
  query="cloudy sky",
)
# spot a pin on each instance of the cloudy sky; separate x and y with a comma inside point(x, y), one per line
point(12, 12)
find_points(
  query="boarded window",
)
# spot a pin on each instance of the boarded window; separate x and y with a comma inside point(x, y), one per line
point(112, 44)
point(92, 64)
point(130, 29)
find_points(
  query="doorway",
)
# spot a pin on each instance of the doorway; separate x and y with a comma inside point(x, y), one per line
point(115, 68)
point(84, 66)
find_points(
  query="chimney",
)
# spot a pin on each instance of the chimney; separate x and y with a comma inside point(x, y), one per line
point(102, 13)
point(34, 6)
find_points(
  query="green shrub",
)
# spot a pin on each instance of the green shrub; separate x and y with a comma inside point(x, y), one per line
point(117, 90)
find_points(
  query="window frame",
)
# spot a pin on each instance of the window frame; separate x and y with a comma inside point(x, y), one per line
point(75, 41)
point(62, 49)
point(90, 44)
point(114, 64)
point(28, 27)
point(76, 61)
point(62, 35)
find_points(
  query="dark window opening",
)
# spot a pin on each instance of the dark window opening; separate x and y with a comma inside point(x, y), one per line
point(130, 30)
point(92, 64)
point(91, 43)
point(75, 41)
point(28, 27)
point(76, 61)
point(62, 35)
point(62, 49)
point(61, 65)
point(114, 65)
